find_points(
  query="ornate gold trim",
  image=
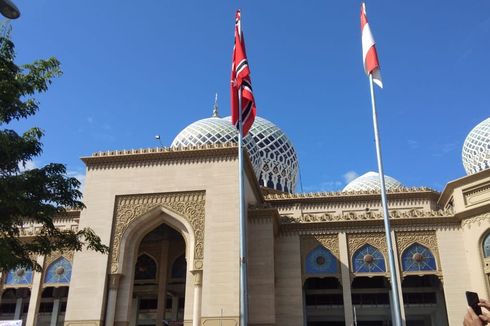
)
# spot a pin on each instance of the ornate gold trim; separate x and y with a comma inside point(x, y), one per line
point(51, 258)
point(363, 216)
point(189, 205)
point(425, 238)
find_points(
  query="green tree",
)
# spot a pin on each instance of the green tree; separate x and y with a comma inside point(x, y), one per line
point(35, 195)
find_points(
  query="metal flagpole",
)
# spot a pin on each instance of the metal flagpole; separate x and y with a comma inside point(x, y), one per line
point(243, 221)
point(396, 308)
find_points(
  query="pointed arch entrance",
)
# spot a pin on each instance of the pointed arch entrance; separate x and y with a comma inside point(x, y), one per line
point(138, 220)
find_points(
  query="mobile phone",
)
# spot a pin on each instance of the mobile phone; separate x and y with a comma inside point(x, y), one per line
point(473, 300)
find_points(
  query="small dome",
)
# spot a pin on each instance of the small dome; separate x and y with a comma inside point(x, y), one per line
point(216, 131)
point(370, 181)
point(476, 148)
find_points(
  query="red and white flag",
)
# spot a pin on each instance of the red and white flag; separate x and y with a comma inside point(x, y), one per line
point(240, 81)
point(369, 54)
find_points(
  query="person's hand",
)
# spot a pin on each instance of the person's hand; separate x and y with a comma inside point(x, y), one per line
point(485, 304)
point(472, 319)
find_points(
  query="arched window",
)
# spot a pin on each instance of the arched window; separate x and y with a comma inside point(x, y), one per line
point(179, 268)
point(486, 246)
point(58, 271)
point(320, 260)
point(368, 259)
point(418, 258)
point(146, 268)
point(19, 276)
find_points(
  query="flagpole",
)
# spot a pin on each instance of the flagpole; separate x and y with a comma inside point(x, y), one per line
point(396, 308)
point(243, 221)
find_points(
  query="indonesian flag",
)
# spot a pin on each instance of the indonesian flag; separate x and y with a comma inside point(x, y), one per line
point(240, 81)
point(369, 54)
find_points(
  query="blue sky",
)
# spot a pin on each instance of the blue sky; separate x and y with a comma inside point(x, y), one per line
point(140, 68)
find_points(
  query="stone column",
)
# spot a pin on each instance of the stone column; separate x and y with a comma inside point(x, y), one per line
point(36, 291)
point(18, 306)
point(55, 312)
point(346, 281)
point(162, 283)
point(58, 293)
point(196, 314)
point(112, 298)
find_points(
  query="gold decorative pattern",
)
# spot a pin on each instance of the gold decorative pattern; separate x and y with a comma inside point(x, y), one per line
point(329, 241)
point(475, 219)
point(279, 196)
point(189, 205)
point(357, 240)
point(425, 238)
point(359, 216)
point(55, 255)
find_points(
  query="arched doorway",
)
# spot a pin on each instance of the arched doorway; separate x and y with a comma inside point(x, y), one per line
point(160, 273)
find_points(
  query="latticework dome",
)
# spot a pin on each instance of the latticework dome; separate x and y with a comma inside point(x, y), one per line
point(476, 148)
point(279, 160)
point(370, 181)
point(217, 131)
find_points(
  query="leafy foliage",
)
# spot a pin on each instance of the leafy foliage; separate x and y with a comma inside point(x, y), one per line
point(37, 195)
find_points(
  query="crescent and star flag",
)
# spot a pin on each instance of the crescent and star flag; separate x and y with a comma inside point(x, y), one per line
point(240, 81)
point(369, 54)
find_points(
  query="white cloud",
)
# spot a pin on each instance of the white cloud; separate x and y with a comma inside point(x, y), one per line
point(28, 166)
point(349, 176)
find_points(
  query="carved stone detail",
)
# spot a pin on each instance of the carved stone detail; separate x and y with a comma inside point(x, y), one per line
point(358, 216)
point(425, 238)
point(55, 255)
point(475, 219)
point(329, 241)
point(477, 195)
point(189, 205)
point(356, 241)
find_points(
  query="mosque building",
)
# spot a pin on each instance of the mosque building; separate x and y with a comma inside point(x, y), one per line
point(170, 216)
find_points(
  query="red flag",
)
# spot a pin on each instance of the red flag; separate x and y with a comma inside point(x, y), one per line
point(369, 54)
point(240, 81)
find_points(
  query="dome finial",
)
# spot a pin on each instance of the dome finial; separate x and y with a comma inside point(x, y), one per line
point(215, 107)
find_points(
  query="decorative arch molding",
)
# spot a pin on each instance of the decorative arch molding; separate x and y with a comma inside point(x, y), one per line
point(357, 240)
point(68, 255)
point(368, 259)
point(320, 260)
point(427, 239)
point(485, 244)
point(58, 272)
point(417, 258)
point(188, 206)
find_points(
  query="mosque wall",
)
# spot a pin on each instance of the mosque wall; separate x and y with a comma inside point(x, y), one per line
point(261, 269)
point(105, 181)
point(289, 287)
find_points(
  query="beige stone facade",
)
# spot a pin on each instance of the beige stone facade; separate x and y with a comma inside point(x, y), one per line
point(171, 220)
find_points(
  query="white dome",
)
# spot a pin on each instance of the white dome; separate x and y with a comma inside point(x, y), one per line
point(370, 181)
point(216, 131)
point(279, 160)
point(476, 148)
